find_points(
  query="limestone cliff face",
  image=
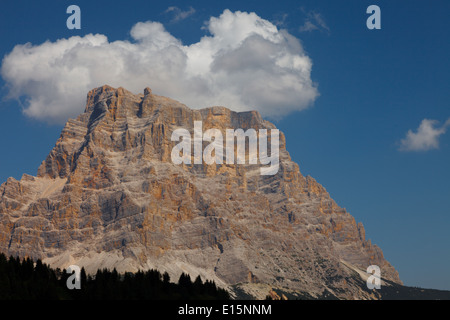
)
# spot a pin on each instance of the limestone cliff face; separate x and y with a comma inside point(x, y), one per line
point(108, 195)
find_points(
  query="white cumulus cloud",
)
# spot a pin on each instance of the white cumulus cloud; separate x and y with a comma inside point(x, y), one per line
point(244, 63)
point(425, 138)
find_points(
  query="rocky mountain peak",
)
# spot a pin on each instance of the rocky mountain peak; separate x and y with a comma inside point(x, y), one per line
point(109, 195)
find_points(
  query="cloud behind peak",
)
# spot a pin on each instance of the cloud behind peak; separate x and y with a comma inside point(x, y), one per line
point(245, 63)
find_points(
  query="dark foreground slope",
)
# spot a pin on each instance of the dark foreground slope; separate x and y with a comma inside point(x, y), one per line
point(28, 280)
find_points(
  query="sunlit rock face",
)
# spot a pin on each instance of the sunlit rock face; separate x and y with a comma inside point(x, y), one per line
point(109, 196)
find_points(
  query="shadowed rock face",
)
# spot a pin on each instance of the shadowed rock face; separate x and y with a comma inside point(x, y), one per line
point(108, 195)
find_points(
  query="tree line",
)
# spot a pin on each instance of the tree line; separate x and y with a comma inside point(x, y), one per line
point(29, 280)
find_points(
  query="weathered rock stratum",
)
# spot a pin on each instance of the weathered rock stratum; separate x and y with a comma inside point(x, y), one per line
point(109, 196)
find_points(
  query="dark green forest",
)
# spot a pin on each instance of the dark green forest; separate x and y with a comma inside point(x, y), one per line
point(29, 280)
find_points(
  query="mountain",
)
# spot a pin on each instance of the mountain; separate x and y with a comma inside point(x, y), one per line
point(109, 196)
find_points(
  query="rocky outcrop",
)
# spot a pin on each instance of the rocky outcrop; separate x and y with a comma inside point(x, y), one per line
point(108, 195)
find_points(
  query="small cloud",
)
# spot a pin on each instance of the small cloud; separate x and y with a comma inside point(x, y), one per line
point(314, 21)
point(426, 138)
point(280, 19)
point(179, 14)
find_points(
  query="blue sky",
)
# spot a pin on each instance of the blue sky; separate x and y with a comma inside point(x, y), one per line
point(374, 86)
